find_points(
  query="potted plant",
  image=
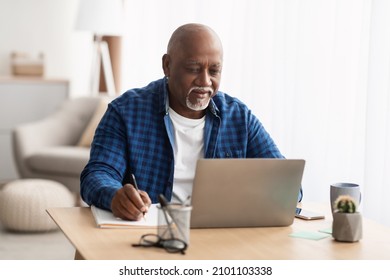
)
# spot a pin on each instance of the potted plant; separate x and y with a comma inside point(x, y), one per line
point(347, 222)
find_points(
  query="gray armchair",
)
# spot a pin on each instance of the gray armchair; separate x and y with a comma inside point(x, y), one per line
point(50, 148)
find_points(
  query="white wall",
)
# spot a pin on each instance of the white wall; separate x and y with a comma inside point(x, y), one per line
point(46, 26)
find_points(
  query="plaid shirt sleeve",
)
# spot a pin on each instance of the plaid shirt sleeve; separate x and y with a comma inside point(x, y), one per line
point(104, 172)
point(130, 138)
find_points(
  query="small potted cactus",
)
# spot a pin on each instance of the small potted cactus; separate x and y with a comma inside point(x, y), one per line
point(347, 222)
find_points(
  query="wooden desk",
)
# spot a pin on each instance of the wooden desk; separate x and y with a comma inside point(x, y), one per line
point(221, 244)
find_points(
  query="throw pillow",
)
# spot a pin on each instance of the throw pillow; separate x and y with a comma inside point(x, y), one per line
point(87, 137)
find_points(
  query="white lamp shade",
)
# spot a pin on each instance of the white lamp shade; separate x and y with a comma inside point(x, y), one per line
point(101, 17)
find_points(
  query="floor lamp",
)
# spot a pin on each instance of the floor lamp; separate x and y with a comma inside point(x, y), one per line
point(101, 18)
point(101, 59)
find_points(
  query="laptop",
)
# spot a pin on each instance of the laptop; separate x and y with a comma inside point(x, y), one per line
point(245, 192)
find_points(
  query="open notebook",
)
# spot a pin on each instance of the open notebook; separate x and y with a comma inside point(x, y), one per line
point(105, 219)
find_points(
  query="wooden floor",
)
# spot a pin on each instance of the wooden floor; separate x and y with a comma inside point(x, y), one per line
point(51, 245)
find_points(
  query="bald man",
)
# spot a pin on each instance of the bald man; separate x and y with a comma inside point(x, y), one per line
point(160, 131)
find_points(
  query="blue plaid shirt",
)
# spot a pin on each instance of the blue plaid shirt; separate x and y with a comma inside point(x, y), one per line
point(136, 136)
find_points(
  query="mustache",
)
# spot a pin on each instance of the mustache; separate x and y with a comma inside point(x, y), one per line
point(210, 90)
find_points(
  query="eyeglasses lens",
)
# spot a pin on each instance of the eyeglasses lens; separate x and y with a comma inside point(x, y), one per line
point(171, 245)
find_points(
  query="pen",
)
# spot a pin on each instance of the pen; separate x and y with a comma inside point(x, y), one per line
point(136, 187)
point(164, 205)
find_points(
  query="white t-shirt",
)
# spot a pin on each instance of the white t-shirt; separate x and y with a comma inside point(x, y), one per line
point(187, 150)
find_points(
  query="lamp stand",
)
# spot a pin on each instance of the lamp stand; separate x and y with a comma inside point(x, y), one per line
point(101, 57)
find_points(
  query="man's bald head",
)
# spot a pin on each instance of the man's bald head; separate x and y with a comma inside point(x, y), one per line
point(190, 33)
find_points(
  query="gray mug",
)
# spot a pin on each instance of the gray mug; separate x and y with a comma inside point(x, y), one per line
point(350, 189)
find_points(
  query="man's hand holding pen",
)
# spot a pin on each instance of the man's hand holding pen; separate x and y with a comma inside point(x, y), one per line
point(130, 203)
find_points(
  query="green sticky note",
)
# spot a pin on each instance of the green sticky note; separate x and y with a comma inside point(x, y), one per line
point(309, 235)
point(326, 230)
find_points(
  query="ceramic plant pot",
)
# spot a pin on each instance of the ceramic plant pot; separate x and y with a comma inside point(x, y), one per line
point(347, 227)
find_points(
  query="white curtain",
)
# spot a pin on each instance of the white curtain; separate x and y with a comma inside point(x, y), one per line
point(377, 146)
point(315, 72)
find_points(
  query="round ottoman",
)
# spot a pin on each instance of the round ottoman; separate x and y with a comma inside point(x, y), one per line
point(23, 204)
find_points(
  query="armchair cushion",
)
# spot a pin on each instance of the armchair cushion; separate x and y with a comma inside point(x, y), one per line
point(61, 160)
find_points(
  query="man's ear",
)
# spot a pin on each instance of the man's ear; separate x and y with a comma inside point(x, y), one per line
point(166, 61)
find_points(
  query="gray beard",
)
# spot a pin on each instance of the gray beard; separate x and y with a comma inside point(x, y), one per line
point(198, 106)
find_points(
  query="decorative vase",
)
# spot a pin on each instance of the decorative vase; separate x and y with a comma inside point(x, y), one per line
point(347, 227)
